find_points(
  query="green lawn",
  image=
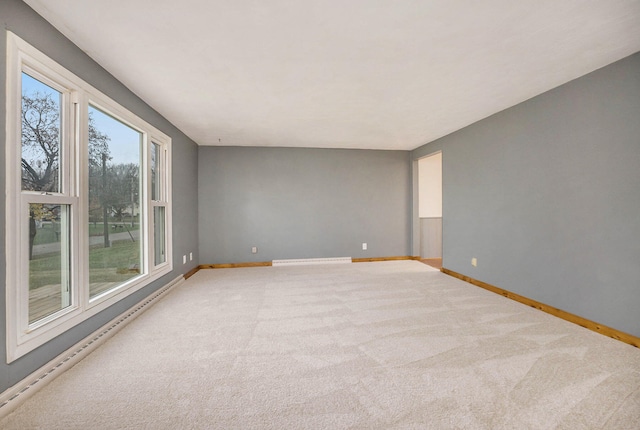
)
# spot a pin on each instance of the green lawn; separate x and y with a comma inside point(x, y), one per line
point(47, 233)
point(97, 229)
point(115, 264)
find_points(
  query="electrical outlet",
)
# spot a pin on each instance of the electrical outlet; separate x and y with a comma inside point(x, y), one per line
point(254, 250)
point(184, 259)
point(364, 246)
point(191, 256)
point(474, 262)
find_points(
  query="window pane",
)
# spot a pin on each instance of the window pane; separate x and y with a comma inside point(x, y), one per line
point(155, 171)
point(49, 260)
point(41, 119)
point(158, 234)
point(114, 202)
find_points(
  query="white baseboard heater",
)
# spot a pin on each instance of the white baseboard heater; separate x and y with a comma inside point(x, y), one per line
point(307, 261)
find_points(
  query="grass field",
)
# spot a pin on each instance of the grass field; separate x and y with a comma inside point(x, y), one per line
point(115, 264)
point(47, 233)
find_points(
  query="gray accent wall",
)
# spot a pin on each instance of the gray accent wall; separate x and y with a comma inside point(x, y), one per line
point(296, 203)
point(546, 195)
point(17, 17)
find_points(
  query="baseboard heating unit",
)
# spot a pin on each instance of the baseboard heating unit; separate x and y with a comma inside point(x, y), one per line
point(307, 261)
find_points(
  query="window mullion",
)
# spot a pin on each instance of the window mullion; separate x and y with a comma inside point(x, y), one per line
point(81, 180)
point(146, 184)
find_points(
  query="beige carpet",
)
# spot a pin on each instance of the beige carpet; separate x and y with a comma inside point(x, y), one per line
point(393, 345)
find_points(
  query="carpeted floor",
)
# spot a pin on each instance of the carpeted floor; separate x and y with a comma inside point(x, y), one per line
point(392, 345)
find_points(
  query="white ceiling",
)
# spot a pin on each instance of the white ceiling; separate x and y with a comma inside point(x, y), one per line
point(378, 74)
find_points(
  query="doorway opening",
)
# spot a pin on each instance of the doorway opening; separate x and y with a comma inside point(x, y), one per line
point(430, 209)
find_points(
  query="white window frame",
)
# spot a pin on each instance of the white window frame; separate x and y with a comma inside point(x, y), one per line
point(23, 337)
point(162, 200)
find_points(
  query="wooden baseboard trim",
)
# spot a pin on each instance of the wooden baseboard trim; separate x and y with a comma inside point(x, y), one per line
point(567, 316)
point(235, 265)
point(374, 259)
point(191, 272)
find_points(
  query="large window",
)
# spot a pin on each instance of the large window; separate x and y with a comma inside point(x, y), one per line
point(114, 160)
point(88, 200)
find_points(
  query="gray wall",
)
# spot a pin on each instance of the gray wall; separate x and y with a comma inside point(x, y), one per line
point(302, 203)
point(20, 19)
point(431, 237)
point(546, 195)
